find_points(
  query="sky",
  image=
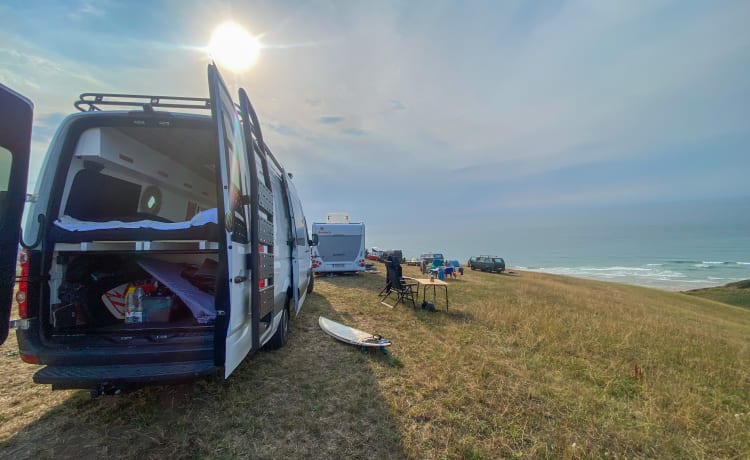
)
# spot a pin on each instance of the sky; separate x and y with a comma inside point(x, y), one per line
point(423, 119)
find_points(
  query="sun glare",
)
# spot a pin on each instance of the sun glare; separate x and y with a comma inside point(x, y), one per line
point(233, 47)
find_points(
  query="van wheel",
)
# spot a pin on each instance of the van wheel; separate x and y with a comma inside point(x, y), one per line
point(281, 336)
point(311, 283)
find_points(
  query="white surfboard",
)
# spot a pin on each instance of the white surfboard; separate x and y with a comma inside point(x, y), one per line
point(350, 335)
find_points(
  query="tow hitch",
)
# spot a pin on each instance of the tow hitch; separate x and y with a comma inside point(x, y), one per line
point(22, 324)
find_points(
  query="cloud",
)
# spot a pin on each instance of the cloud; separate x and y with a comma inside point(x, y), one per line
point(331, 120)
point(283, 129)
point(354, 132)
point(46, 124)
point(88, 9)
point(516, 93)
point(313, 101)
point(397, 105)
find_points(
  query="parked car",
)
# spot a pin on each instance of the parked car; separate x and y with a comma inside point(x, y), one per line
point(412, 262)
point(487, 264)
point(426, 259)
point(430, 257)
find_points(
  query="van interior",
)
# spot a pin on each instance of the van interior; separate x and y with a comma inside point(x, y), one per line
point(137, 216)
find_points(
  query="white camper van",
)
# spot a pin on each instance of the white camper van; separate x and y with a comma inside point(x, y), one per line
point(165, 243)
point(340, 247)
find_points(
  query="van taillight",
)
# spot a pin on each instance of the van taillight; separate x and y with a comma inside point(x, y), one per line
point(30, 359)
point(23, 285)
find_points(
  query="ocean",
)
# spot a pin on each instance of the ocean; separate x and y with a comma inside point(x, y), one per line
point(674, 246)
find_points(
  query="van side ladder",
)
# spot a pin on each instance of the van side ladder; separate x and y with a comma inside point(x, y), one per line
point(261, 221)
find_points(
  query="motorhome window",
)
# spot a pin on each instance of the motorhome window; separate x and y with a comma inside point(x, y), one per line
point(97, 197)
point(339, 248)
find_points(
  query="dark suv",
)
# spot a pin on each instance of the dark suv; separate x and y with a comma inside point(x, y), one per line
point(487, 264)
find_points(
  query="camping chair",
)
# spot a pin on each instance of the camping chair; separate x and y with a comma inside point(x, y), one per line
point(395, 283)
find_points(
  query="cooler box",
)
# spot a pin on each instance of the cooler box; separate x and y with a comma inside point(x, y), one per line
point(156, 309)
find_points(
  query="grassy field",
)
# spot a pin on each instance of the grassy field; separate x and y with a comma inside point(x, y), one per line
point(733, 293)
point(522, 366)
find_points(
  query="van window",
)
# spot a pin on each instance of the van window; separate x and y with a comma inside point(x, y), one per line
point(237, 223)
point(97, 197)
point(6, 161)
point(299, 220)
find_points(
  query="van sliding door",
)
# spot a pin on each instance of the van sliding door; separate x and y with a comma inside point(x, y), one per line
point(242, 325)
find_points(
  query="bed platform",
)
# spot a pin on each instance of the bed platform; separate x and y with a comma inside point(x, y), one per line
point(199, 233)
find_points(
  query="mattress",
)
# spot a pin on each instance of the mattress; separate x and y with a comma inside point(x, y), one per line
point(203, 226)
point(169, 274)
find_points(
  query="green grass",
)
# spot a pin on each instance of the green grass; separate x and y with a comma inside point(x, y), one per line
point(733, 293)
point(525, 366)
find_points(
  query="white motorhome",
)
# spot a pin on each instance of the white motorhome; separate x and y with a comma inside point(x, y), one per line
point(340, 247)
point(191, 205)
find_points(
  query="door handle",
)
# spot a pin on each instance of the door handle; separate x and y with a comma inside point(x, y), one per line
point(240, 279)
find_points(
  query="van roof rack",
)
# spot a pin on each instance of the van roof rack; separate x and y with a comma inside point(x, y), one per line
point(93, 102)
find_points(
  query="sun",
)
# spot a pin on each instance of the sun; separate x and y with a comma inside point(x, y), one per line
point(233, 47)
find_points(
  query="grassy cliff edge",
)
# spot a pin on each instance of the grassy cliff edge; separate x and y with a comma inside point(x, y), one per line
point(733, 293)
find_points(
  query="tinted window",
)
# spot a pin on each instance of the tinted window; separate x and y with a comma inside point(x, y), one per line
point(339, 248)
point(237, 222)
point(299, 222)
point(6, 159)
point(98, 197)
point(499, 260)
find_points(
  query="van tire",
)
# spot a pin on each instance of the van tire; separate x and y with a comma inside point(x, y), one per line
point(311, 283)
point(281, 336)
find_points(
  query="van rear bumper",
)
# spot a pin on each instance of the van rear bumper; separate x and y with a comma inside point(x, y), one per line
point(123, 376)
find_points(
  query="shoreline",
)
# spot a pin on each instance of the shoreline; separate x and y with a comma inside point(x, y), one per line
point(638, 276)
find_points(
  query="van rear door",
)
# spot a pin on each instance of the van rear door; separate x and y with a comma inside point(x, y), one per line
point(16, 118)
point(242, 324)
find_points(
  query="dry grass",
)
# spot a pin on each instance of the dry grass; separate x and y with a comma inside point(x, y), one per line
point(524, 366)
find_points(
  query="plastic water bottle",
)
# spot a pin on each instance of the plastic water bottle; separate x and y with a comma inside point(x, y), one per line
point(138, 307)
point(134, 306)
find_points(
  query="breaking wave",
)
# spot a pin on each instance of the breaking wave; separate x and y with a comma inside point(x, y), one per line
point(673, 275)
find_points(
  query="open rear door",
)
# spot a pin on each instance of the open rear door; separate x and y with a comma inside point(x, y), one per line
point(16, 118)
point(262, 261)
point(234, 213)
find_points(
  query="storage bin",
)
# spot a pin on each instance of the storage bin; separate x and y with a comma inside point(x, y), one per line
point(156, 309)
